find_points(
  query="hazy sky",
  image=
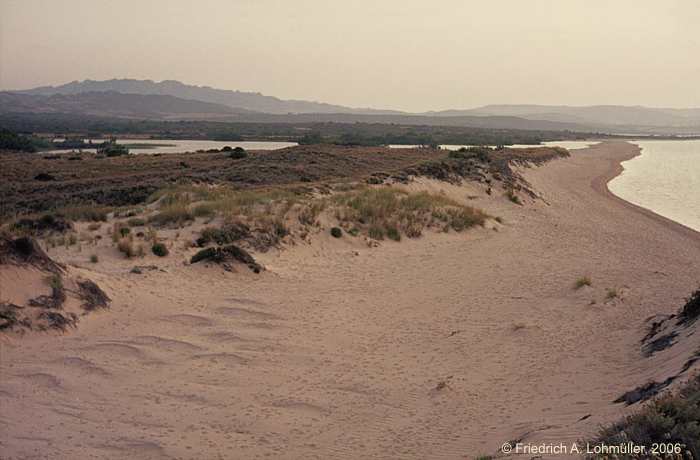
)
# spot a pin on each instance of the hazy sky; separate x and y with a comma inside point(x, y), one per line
point(405, 54)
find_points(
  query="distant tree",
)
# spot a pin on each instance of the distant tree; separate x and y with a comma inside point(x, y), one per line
point(311, 138)
point(111, 148)
point(10, 140)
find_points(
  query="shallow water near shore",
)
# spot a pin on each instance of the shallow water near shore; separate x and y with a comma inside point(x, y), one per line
point(665, 179)
point(151, 146)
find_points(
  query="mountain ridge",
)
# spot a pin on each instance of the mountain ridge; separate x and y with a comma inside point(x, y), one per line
point(257, 107)
point(252, 101)
point(111, 103)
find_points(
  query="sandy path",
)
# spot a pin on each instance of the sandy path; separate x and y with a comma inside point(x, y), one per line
point(332, 355)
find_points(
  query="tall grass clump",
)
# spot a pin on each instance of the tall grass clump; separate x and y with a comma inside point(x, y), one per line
point(89, 213)
point(174, 214)
point(391, 212)
point(127, 247)
point(583, 281)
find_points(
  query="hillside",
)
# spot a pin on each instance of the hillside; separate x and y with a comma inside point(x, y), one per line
point(613, 115)
point(180, 101)
point(114, 104)
point(238, 99)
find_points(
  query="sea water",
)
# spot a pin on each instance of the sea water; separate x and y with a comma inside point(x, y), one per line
point(665, 179)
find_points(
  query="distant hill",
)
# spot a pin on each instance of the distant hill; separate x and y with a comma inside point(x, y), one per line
point(162, 107)
point(473, 121)
point(173, 100)
point(612, 115)
point(237, 99)
point(112, 103)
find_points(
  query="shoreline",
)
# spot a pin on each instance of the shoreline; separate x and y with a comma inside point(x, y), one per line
point(600, 185)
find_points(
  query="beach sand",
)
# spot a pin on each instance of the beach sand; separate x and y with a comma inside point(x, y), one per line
point(445, 346)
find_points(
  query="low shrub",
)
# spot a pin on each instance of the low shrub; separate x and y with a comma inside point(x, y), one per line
point(336, 232)
point(513, 197)
point(46, 223)
point(670, 419)
point(229, 233)
point(160, 249)
point(227, 253)
point(691, 310)
point(136, 222)
point(237, 153)
point(94, 259)
point(393, 233)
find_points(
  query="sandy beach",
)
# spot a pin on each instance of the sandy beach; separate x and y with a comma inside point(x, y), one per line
point(445, 346)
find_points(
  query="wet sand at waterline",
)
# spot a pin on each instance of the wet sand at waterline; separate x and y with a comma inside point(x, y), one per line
point(441, 347)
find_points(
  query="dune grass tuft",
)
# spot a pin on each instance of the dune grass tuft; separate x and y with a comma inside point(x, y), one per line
point(583, 281)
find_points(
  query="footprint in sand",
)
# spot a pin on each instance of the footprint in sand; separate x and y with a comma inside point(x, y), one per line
point(245, 313)
point(189, 320)
point(83, 365)
point(301, 406)
point(163, 344)
point(244, 301)
point(222, 358)
point(42, 379)
point(111, 352)
point(224, 337)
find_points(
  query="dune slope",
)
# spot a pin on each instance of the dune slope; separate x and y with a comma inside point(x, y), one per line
point(441, 347)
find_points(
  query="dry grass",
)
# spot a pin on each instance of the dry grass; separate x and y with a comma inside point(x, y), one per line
point(583, 281)
point(270, 214)
point(127, 247)
point(86, 213)
point(392, 212)
point(184, 203)
point(177, 214)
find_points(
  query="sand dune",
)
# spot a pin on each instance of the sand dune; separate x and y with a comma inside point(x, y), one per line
point(441, 347)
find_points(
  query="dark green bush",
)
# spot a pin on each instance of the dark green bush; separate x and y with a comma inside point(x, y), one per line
point(207, 254)
point(46, 223)
point(691, 310)
point(238, 153)
point(227, 234)
point(336, 232)
point(160, 250)
point(136, 222)
point(392, 232)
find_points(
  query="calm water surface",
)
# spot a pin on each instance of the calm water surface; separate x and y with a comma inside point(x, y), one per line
point(665, 179)
point(181, 146)
point(570, 145)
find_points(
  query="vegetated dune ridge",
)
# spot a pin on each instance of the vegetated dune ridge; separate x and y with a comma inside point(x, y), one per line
point(440, 347)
